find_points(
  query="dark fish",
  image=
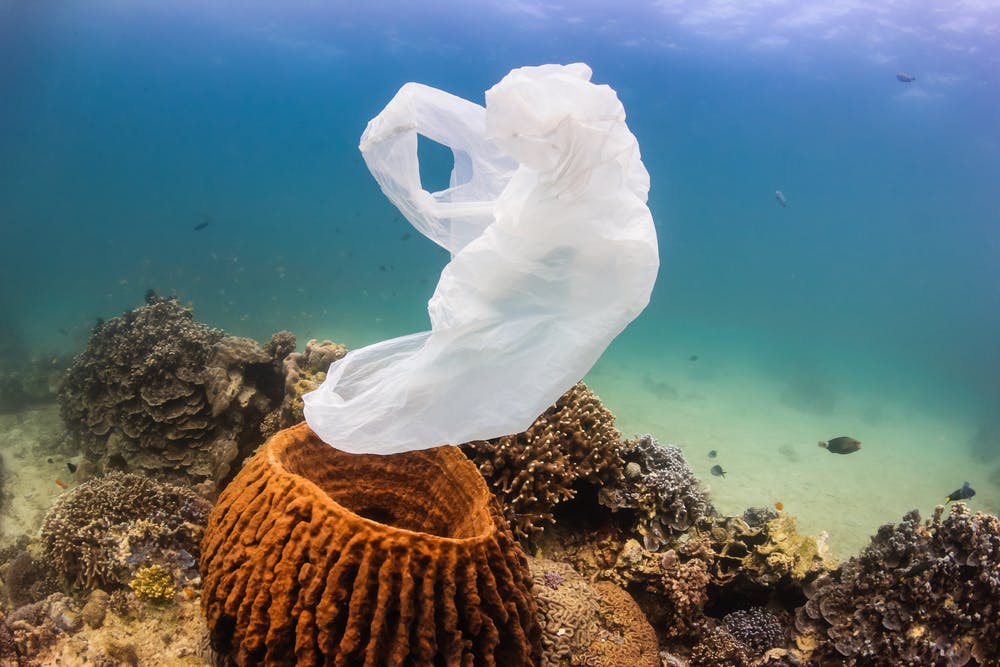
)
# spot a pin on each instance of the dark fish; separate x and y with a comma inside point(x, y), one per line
point(202, 225)
point(693, 357)
point(964, 493)
point(405, 237)
point(841, 445)
point(71, 466)
point(718, 471)
point(780, 196)
point(905, 77)
point(712, 453)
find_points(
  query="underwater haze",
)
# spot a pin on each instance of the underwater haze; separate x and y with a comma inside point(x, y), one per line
point(208, 150)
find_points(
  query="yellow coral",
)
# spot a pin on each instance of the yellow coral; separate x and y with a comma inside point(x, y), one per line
point(153, 584)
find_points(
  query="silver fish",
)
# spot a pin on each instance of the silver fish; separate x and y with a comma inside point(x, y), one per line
point(780, 196)
point(905, 77)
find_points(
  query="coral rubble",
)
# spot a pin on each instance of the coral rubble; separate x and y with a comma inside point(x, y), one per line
point(573, 443)
point(102, 532)
point(922, 593)
point(158, 393)
point(313, 556)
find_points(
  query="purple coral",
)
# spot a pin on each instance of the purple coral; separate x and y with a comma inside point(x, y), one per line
point(661, 486)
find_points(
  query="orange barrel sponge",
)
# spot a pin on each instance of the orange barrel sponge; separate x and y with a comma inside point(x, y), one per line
point(313, 556)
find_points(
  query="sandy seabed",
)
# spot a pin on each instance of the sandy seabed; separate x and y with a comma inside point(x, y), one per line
point(909, 459)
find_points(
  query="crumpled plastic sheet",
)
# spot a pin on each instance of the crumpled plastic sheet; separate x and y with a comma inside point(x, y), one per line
point(553, 253)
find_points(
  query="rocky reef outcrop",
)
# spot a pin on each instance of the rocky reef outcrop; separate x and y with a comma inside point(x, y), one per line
point(304, 371)
point(159, 393)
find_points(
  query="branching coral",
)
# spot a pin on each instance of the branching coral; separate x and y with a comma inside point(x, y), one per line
point(159, 393)
point(103, 531)
point(919, 594)
point(660, 487)
point(574, 442)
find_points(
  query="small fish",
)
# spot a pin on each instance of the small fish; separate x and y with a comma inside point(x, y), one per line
point(780, 196)
point(841, 445)
point(905, 77)
point(71, 466)
point(712, 453)
point(405, 237)
point(917, 569)
point(693, 357)
point(778, 505)
point(718, 471)
point(964, 493)
point(61, 484)
point(203, 224)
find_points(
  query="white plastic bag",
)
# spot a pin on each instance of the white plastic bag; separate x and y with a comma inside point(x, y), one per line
point(553, 254)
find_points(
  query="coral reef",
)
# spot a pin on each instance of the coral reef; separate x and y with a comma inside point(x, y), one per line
point(922, 593)
point(573, 443)
point(304, 372)
point(158, 393)
point(584, 623)
point(102, 532)
point(313, 556)
point(757, 629)
point(660, 488)
point(153, 584)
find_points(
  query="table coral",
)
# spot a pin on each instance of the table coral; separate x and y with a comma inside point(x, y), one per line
point(574, 442)
point(313, 556)
point(922, 593)
point(159, 393)
point(103, 531)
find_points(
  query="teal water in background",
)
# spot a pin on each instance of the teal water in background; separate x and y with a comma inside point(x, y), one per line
point(124, 126)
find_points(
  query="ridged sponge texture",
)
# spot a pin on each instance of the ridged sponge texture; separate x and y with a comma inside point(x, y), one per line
point(313, 556)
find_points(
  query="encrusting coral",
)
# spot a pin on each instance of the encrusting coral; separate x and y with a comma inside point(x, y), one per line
point(574, 442)
point(103, 531)
point(313, 556)
point(922, 593)
point(158, 393)
point(660, 488)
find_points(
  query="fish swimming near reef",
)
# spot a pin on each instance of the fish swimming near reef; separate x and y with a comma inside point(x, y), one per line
point(905, 77)
point(718, 471)
point(841, 445)
point(964, 493)
point(712, 453)
point(780, 196)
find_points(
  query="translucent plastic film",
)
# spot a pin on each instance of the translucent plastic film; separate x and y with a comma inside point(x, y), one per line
point(553, 253)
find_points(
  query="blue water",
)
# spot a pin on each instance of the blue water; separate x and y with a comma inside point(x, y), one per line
point(125, 125)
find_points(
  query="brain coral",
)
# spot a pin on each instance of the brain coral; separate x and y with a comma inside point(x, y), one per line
point(313, 556)
point(920, 594)
point(660, 487)
point(103, 531)
point(573, 442)
point(585, 623)
point(158, 393)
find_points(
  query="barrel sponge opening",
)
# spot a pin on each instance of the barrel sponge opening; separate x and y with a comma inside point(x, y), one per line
point(314, 556)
